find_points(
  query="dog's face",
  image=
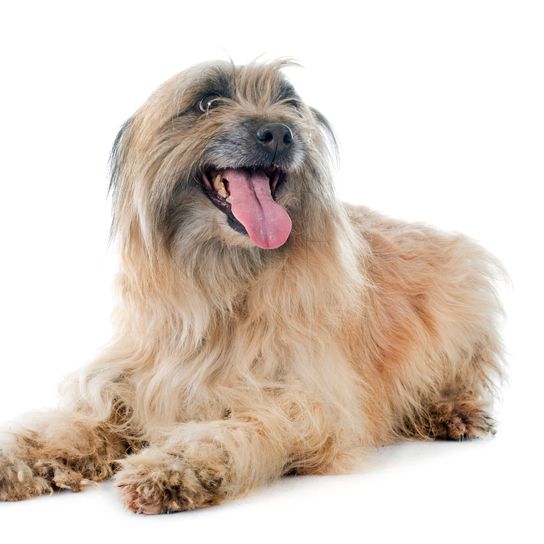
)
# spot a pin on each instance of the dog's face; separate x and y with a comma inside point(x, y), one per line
point(222, 154)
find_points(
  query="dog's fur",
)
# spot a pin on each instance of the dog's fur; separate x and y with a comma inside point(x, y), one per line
point(233, 365)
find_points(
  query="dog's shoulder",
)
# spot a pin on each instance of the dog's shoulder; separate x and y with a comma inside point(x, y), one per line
point(403, 241)
point(374, 225)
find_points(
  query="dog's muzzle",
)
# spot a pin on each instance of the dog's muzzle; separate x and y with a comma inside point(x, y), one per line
point(252, 163)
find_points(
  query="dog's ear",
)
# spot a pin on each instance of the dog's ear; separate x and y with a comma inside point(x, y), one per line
point(327, 130)
point(117, 162)
point(117, 156)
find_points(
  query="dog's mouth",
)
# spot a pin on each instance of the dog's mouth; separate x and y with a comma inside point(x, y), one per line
point(247, 196)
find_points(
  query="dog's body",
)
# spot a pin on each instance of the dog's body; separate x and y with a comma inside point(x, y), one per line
point(263, 327)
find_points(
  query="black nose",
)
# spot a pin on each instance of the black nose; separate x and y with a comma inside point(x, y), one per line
point(276, 137)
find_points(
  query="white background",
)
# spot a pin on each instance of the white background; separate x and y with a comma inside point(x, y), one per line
point(439, 111)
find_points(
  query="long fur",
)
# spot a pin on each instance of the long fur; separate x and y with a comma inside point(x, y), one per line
point(232, 365)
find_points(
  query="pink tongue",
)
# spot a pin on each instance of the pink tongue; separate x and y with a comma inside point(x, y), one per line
point(266, 222)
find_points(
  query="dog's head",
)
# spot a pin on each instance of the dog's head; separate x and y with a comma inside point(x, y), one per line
point(223, 154)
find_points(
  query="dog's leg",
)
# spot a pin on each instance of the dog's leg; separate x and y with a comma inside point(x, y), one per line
point(204, 463)
point(56, 450)
point(201, 464)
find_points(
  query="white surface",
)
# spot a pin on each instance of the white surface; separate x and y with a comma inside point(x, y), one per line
point(439, 112)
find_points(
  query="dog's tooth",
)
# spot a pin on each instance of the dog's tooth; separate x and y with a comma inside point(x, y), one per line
point(220, 186)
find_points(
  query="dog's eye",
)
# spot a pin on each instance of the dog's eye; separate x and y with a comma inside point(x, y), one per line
point(208, 102)
point(292, 103)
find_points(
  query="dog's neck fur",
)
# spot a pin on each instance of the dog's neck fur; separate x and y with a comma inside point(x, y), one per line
point(182, 295)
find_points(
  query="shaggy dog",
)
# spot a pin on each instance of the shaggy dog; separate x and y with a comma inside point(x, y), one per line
point(263, 328)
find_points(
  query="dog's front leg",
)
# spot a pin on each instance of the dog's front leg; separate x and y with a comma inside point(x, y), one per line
point(203, 463)
point(54, 450)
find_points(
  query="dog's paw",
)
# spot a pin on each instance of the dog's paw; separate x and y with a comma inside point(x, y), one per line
point(18, 481)
point(469, 426)
point(155, 482)
point(23, 479)
point(461, 420)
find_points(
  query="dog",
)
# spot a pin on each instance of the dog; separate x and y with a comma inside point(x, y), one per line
point(263, 327)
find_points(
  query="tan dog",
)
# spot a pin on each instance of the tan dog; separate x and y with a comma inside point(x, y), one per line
point(263, 327)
